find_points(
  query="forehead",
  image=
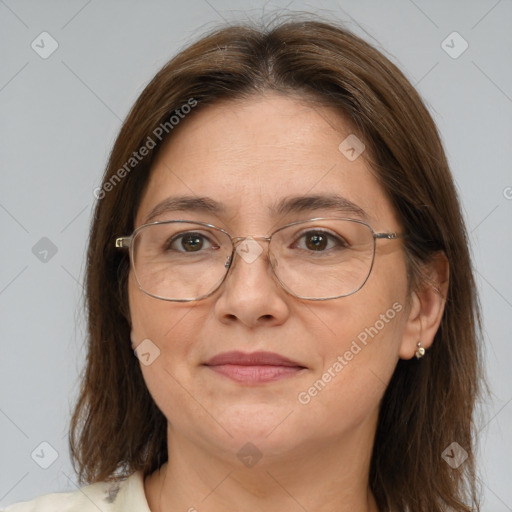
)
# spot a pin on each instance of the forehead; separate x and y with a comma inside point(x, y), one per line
point(250, 155)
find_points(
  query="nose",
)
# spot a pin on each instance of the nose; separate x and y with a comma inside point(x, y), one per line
point(250, 293)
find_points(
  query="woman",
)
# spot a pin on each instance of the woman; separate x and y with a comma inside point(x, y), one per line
point(282, 313)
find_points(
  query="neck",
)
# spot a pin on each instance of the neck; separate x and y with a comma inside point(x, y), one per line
point(326, 477)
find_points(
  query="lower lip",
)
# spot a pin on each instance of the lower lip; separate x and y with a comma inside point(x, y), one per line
point(256, 374)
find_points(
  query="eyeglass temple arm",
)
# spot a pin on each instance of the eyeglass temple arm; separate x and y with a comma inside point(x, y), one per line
point(389, 236)
point(122, 242)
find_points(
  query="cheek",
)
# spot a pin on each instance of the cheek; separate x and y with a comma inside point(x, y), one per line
point(164, 330)
point(152, 318)
point(170, 330)
point(162, 336)
point(357, 364)
point(361, 345)
point(353, 343)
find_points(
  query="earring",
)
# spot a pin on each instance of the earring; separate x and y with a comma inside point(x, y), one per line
point(420, 352)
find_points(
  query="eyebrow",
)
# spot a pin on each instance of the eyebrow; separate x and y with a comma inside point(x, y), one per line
point(298, 204)
point(186, 203)
point(287, 205)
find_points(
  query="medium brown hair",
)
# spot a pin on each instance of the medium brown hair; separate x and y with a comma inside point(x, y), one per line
point(116, 427)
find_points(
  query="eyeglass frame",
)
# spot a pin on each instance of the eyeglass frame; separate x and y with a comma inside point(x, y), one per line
point(124, 242)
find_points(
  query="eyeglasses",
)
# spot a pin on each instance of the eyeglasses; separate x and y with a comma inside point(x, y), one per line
point(315, 259)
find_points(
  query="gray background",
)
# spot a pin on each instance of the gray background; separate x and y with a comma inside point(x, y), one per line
point(60, 116)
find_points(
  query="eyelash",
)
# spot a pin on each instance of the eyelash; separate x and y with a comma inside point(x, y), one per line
point(340, 242)
point(181, 236)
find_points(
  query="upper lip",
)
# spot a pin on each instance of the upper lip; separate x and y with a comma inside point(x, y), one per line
point(251, 359)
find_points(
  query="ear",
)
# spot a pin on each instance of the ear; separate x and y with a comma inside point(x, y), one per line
point(426, 306)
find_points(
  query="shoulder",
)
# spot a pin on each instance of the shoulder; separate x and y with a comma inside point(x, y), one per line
point(117, 496)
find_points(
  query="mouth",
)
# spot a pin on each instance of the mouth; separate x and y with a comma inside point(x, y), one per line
point(255, 367)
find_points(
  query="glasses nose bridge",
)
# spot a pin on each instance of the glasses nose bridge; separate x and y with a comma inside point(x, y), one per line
point(237, 240)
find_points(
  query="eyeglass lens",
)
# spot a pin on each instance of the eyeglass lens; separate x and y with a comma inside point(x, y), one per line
point(315, 259)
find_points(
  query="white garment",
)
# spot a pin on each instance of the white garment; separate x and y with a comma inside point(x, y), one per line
point(120, 496)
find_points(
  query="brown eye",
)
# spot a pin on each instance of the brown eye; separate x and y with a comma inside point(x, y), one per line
point(319, 241)
point(316, 241)
point(189, 242)
point(192, 242)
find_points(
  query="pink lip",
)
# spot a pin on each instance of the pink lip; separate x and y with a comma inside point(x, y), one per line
point(253, 368)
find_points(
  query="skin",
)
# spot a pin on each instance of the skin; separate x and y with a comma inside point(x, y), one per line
point(247, 154)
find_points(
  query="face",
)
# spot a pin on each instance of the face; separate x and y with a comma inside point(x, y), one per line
point(248, 155)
